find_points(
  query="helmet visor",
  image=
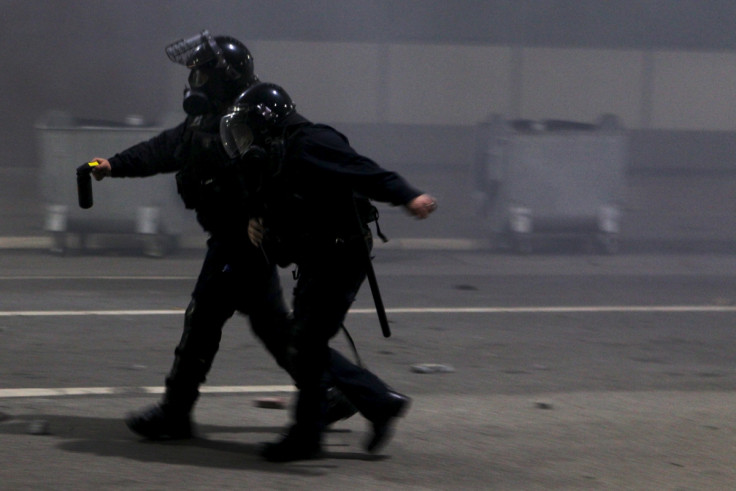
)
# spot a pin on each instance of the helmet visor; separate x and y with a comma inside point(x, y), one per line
point(196, 51)
point(236, 135)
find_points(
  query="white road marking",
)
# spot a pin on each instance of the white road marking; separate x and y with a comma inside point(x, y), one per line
point(410, 310)
point(97, 277)
point(83, 391)
point(87, 391)
point(198, 242)
point(71, 313)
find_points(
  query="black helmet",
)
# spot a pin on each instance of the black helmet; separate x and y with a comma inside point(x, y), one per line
point(257, 111)
point(221, 68)
point(219, 52)
point(230, 55)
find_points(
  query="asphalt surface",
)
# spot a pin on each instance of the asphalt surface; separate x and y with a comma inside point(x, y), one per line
point(560, 371)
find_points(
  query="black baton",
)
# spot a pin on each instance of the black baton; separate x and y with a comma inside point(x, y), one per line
point(372, 281)
point(380, 310)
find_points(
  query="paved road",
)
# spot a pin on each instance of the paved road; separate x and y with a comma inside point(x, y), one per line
point(569, 372)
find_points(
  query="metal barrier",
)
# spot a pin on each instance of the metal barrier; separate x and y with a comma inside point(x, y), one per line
point(149, 209)
point(536, 179)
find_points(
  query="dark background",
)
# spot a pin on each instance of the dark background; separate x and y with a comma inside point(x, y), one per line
point(103, 60)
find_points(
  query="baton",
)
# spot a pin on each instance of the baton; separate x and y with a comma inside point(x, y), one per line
point(372, 281)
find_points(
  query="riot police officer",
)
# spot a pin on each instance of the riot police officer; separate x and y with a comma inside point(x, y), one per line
point(234, 275)
point(311, 209)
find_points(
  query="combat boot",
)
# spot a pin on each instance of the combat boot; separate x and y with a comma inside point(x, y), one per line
point(171, 418)
point(338, 407)
point(160, 422)
point(293, 446)
point(396, 406)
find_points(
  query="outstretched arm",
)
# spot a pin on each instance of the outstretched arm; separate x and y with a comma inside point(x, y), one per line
point(421, 206)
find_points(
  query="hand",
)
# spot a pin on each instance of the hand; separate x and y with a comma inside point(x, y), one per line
point(256, 231)
point(421, 206)
point(102, 170)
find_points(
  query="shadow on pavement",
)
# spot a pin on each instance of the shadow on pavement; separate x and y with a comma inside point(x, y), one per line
point(109, 437)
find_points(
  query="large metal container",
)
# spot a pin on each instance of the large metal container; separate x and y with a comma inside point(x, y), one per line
point(148, 210)
point(537, 179)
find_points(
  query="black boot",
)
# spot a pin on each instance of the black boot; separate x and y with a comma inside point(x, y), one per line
point(383, 424)
point(160, 422)
point(293, 446)
point(304, 438)
point(171, 418)
point(338, 407)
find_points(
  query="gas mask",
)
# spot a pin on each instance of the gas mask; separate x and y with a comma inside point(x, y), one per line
point(205, 93)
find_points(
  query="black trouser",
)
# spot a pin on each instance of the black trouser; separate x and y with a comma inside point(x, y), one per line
point(234, 277)
point(327, 285)
point(237, 278)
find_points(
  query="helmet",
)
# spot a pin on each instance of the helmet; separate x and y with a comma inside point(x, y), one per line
point(227, 54)
point(222, 52)
point(257, 111)
point(221, 67)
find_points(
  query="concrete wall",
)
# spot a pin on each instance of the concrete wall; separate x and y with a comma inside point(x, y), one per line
point(408, 80)
point(436, 84)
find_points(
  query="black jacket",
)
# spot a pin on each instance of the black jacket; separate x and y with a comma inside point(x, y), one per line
point(209, 182)
point(311, 199)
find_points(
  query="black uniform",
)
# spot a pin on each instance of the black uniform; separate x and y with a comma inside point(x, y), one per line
point(234, 275)
point(315, 212)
